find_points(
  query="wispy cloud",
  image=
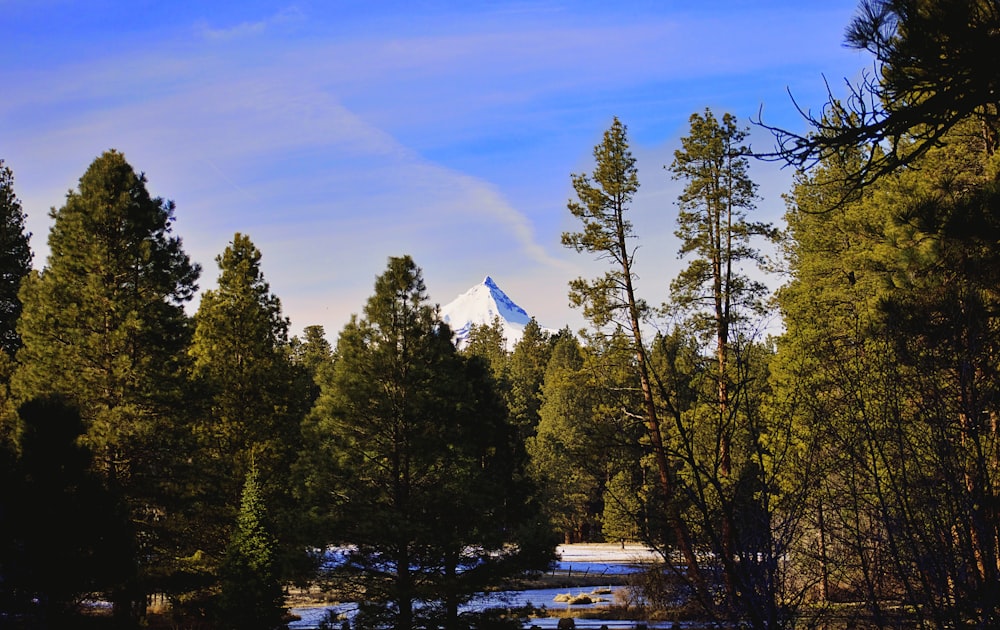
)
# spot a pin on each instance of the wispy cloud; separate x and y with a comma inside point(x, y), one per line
point(248, 29)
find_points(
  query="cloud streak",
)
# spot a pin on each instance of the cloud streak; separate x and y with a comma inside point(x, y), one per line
point(248, 29)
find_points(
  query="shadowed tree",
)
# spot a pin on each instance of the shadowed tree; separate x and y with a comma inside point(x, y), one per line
point(412, 463)
point(66, 543)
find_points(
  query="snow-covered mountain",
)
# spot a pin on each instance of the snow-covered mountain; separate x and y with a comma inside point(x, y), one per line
point(480, 305)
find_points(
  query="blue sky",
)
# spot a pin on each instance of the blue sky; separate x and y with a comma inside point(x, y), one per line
point(336, 134)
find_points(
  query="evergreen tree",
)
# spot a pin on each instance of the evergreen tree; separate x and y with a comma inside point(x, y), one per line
point(412, 462)
point(104, 325)
point(712, 226)
point(64, 544)
point(15, 264)
point(828, 369)
point(15, 261)
point(717, 293)
point(313, 354)
point(312, 362)
point(241, 364)
point(527, 372)
point(252, 597)
point(890, 353)
point(488, 342)
point(932, 73)
point(562, 451)
point(586, 434)
point(603, 201)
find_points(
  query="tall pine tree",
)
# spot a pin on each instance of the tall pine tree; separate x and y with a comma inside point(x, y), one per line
point(104, 324)
point(602, 206)
point(15, 260)
point(712, 226)
point(15, 264)
point(412, 463)
point(242, 367)
point(718, 293)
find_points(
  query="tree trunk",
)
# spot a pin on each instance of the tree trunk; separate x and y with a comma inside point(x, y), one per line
point(451, 594)
point(656, 438)
point(824, 573)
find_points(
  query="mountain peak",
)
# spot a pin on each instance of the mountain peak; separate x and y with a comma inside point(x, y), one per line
point(481, 306)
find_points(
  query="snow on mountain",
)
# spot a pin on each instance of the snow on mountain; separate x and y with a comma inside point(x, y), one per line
point(480, 305)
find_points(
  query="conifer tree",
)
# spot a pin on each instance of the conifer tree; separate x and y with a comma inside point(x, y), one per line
point(311, 357)
point(526, 375)
point(241, 364)
point(15, 264)
point(890, 350)
point(65, 544)
point(413, 464)
point(602, 205)
point(563, 461)
point(712, 226)
point(252, 597)
point(488, 342)
point(718, 294)
point(933, 72)
point(312, 352)
point(15, 260)
point(104, 325)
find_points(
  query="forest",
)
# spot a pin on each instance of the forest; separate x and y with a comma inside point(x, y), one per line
point(190, 469)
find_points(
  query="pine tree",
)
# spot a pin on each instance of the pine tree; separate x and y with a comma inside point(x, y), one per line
point(65, 545)
point(526, 375)
point(932, 74)
point(889, 351)
point(241, 364)
point(712, 225)
point(717, 293)
point(15, 264)
point(104, 325)
point(313, 352)
point(602, 205)
point(252, 597)
point(563, 460)
point(15, 261)
point(312, 359)
point(488, 342)
point(412, 461)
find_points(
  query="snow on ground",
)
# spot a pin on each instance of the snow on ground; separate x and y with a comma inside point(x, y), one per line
point(629, 553)
point(582, 558)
